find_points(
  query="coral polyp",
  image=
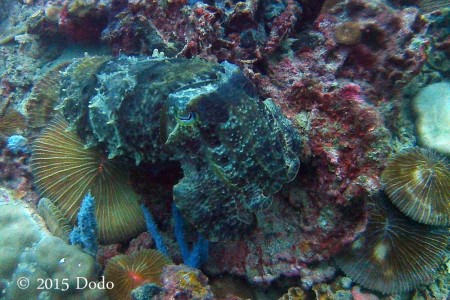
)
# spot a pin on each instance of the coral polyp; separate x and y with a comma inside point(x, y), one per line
point(130, 271)
point(418, 183)
point(394, 254)
point(65, 172)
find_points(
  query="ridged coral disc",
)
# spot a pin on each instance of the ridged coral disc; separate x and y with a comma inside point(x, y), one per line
point(418, 183)
point(65, 171)
point(130, 271)
point(395, 254)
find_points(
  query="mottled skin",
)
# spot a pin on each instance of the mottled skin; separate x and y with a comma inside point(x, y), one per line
point(236, 151)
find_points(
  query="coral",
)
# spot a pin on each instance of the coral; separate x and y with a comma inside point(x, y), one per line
point(154, 232)
point(184, 282)
point(199, 253)
point(130, 271)
point(394, 254)
point(432, 107)
point(65, 171)
point(192, 258)
point(55, 221)
point(294, 293)
point(85, 233)
point(348, 33)
point(203, 114)
point(28, 250)
point(11, 122)
point(17, 144)
point(418, 183)
point(44, 96)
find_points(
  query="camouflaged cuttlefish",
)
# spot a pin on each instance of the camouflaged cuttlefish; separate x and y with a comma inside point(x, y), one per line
point(235, 150)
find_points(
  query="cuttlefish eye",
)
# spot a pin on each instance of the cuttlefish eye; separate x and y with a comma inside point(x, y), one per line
point(186, 119)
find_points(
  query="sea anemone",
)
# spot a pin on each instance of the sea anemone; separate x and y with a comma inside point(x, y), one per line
point(66, 171)
point(130, 271)
point(418, 183)
point(395, 254)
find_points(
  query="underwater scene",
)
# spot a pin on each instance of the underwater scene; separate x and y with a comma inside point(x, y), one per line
point(224, 149)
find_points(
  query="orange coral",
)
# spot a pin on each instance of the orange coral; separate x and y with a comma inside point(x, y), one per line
point(127, 272)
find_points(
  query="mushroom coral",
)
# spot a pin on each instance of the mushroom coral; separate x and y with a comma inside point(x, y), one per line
point(127, 272)
point(418, 182)
point(66, 171)
point(394, 254)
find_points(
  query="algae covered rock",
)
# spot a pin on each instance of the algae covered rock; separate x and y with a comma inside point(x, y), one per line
point(235, 150)
point(432, 106)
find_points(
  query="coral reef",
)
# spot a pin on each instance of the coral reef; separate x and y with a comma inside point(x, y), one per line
point(65, 171)
point(335, 68)
point(418, 182)
point(130, 271)
point(394, 254)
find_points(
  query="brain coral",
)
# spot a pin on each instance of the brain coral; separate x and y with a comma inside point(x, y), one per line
point(394, 254)
point(418, 183)
point(235, 150)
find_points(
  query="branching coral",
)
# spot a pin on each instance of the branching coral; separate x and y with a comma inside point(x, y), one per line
point(65, 171)
point(418, 183)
